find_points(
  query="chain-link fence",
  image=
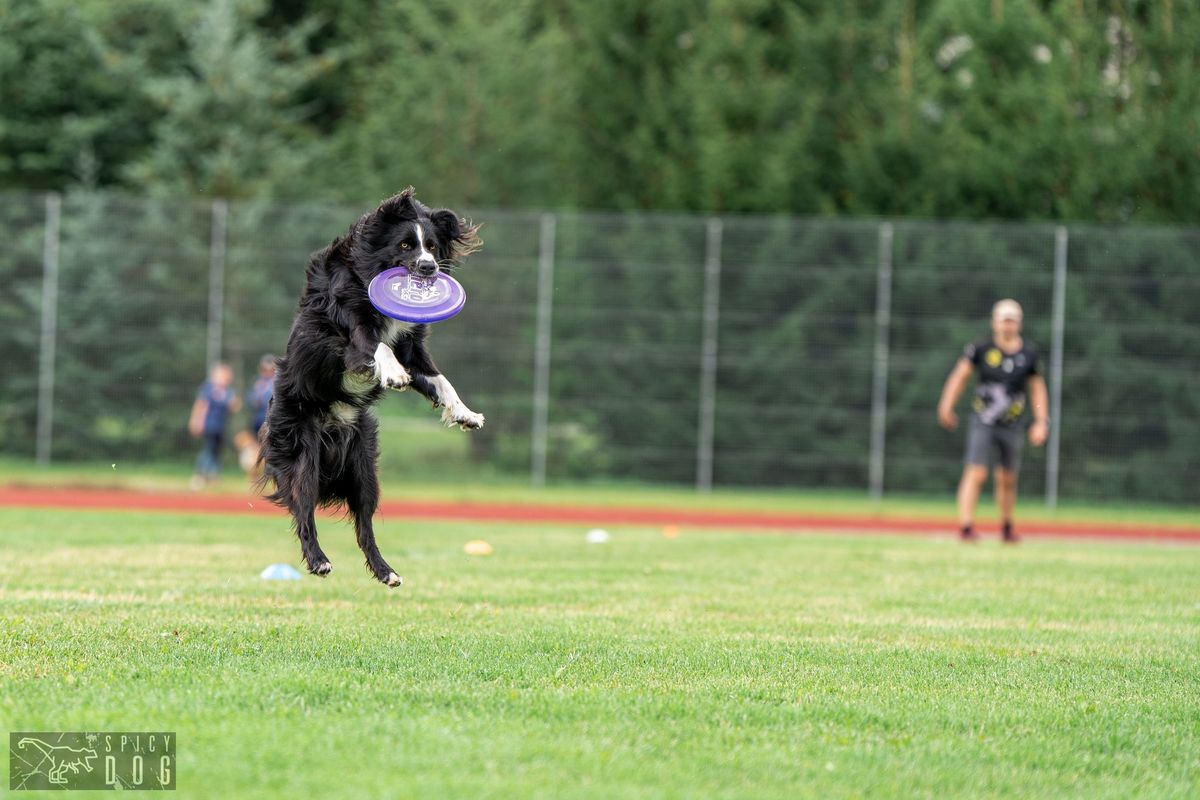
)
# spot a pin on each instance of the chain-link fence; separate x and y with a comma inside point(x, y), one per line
point(758, 351)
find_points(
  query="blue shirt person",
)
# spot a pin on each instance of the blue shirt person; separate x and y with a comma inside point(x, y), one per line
point(215, 403)
point(258, 398)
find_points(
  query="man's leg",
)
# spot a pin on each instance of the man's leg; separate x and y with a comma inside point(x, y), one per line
point(1006, 500)
point(206, 462)
point(1010, 440)
point(213, 442)
point(969, 487)
point(976, 459)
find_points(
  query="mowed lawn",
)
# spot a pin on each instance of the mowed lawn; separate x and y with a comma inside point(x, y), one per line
point(715, 664)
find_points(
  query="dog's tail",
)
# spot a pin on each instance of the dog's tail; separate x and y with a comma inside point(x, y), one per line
point(265, 477)
point(266, 480)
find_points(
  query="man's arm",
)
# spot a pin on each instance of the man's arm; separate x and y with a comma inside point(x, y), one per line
point(952, 391)
point(1041, 410)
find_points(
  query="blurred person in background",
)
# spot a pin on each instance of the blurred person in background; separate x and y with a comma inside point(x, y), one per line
point(1008, 368)
point(258, 398)
point(215, 402)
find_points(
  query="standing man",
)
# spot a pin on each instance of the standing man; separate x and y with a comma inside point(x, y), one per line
point(1007, 366)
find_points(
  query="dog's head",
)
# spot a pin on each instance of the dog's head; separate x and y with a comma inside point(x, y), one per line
point(403, 232)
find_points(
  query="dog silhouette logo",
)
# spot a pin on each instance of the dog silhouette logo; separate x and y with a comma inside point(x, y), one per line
point(54, 760)
point(84, 760)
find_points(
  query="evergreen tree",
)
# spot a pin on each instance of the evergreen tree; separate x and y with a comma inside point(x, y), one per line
point(464, 101)
point(229, 123)
point(71, 76)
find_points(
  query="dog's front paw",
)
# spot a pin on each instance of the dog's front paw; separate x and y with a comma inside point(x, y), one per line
point(399, 379)
point(388, 371)
point(463, 417)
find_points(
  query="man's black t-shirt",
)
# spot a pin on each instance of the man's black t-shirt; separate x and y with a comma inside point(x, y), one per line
point(1000, 395)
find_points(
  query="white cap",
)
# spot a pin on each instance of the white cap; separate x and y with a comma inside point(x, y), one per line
point(1007, 309)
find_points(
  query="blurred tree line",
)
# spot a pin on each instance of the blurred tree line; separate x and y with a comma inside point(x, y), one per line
point(1045, 109)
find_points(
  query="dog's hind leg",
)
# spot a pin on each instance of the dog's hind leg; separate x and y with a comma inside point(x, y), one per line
point(306, 530)
point(300, 494)
point(362, 511)
point(361, 489)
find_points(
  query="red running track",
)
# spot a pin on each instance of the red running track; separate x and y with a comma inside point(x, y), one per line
point(128, 500)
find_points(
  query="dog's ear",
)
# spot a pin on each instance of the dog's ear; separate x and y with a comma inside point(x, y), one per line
point(372, 235)
point(398, 207)
point(460, 235)
point(446, 223)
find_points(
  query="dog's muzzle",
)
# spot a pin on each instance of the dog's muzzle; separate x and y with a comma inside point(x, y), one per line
point(425, 267)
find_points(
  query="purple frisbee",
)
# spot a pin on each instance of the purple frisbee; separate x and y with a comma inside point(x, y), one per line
point(410, 298)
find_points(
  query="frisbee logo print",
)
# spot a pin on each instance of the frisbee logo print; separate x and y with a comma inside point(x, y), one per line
point(415, 290)
point(91, 760)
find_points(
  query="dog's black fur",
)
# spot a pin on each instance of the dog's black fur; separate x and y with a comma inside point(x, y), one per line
point(320, 442)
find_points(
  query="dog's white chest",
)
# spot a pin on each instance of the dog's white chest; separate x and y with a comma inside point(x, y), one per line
point(393, 329)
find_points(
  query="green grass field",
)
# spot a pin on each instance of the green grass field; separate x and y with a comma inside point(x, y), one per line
point(711, 665)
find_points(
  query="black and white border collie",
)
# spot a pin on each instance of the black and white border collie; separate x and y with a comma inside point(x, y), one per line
point(320, 443)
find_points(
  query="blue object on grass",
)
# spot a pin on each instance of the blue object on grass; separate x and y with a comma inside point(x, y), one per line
point(280, 572)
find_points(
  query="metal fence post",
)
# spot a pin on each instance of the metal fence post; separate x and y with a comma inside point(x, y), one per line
point(879, 379)
point(541, 353)
point(708, 356)
point(1058, 324)
point(216, 279)
point(49, 331)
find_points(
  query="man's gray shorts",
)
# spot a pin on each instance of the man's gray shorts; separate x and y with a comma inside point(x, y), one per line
point(986, 442)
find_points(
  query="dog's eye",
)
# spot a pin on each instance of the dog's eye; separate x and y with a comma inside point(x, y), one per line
point(405, 246)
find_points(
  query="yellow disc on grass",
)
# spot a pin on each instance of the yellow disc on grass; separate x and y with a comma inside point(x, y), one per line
point(477, 547)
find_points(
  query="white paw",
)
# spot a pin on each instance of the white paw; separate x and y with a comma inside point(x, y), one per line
point(388, 371)
point(394, 580)
point(463, 417)
point(454, 410)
